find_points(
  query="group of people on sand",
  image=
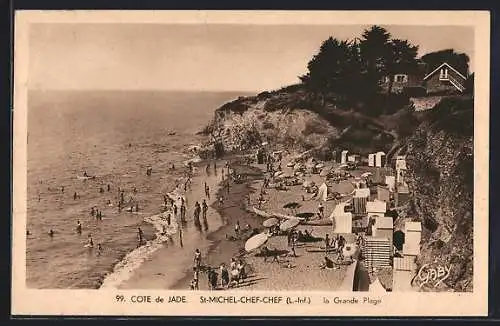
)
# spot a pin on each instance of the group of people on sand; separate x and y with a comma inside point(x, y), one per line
point(223, 277)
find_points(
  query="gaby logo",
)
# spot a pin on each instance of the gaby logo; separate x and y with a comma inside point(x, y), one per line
point(432, 274)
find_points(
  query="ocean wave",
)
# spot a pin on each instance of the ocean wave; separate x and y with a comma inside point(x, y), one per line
point(133, 260)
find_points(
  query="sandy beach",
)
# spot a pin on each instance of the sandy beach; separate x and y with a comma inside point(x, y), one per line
point(264, 275)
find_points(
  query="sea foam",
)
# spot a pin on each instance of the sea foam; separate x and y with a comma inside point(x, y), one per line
point(124, 269)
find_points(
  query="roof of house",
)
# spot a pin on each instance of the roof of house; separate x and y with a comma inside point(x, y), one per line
point(444, 64)
point(376, 207)
point(413, 226)
point(383, 222)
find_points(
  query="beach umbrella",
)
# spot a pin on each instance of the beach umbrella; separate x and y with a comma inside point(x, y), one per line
point(265, 143)
point(343, 166)
point(320, 166)
point(256, 241)
point(270, 222)
point(305, 215)
point(291, 206)
point(350, 250)
point(290, 164)
point(366, 174)
point(289, 224)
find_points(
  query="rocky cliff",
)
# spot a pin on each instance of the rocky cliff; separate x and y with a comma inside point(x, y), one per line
point(441, 181)
point(437, 142)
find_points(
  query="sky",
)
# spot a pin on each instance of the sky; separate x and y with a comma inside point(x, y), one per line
point(198, 57)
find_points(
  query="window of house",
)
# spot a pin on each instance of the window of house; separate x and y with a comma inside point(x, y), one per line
point(443, 73)
point(401, 78)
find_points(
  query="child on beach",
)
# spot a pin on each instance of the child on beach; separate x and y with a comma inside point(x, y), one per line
point(224, 276)
point(196, 276)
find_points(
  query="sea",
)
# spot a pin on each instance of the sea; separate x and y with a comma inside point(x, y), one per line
point(114, 136)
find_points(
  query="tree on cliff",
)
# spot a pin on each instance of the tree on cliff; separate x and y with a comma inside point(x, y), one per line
point(353, 69)
point(459, 61)
point(402, 58)
point(327, 69)
point(375, 53)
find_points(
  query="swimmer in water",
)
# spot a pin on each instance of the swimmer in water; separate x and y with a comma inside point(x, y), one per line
point(99, 249)
point(78, 227)
point(90, 242)
point(27, 232)
point(85, 174)
point(51, 233)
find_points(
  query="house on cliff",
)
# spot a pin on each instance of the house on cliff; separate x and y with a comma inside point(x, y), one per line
point(420, 82)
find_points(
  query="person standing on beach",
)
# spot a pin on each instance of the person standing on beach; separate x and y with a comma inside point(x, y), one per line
point(140, 236)
point(224, 276)
point(327, 243)
point(75, 195)
point(321, 210)
point(204, 209)
point(168, 219)
point(237, 229)
point(174, 209)
point(197, 258)
point(183, 212)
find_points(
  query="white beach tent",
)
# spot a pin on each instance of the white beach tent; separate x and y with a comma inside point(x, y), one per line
point(371, 159)
point(322, 192)
point(377, 287)
point(363, 192)
point(390, 181)
point(379, 158)
point(343, 157)
point(342, 220)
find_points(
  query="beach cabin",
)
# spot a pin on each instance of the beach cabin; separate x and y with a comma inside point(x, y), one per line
point(359, 205)
point(359, 184)
point(342, 220)
point(383, 193)
point(362, 192)
point(379, 159)
point(402, 195)
point(390, 181)
point(343, 157)
point(376, 208)
point(404, 269)
point(354, 158)
point(400, 168)
point(383, 228)
point(371, 159)
point(322, 192)
point(377, 253)
point(413, 236)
